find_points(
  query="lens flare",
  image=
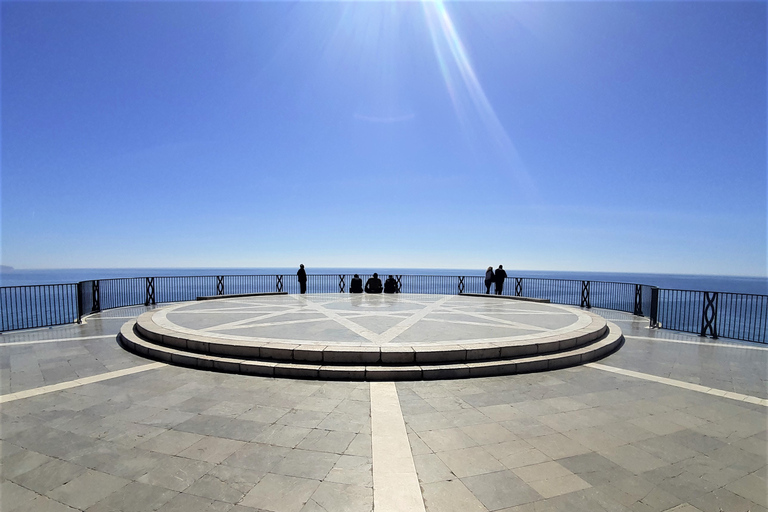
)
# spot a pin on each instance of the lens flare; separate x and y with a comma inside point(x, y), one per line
point(452, 58)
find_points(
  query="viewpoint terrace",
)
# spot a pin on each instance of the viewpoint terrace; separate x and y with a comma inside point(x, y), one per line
point(670, 421)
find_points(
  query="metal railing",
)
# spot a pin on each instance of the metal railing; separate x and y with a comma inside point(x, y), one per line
point(26, 307)
point(715, 314)
point(739, 316)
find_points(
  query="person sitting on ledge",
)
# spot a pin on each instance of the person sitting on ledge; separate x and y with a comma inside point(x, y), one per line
point(390, 285)
point(356, 285)
point(373, 285)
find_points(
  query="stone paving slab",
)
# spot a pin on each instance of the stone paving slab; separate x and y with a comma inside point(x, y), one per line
point(578, 439)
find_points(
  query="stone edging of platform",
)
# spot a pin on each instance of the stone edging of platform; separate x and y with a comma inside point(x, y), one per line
point(508, 297)
point(236, 295)
point(356, 354)
point(591, 338)
point(610, 342)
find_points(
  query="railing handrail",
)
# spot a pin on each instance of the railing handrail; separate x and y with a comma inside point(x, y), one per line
point(36, 285)
point(456, 276)
point(453, 276)
point(711, 291)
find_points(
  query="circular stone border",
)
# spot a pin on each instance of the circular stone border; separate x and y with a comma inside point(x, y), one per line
point(154, 326)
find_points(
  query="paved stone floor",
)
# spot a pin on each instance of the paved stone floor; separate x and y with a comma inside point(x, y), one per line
point(669, 422)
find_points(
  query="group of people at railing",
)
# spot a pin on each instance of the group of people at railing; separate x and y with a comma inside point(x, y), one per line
point(373, 285)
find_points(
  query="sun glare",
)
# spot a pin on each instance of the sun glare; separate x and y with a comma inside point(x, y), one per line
point(462, 81)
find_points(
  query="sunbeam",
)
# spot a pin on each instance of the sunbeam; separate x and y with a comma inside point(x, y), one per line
point(451, 56)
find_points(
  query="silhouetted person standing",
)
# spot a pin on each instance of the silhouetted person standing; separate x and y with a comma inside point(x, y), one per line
point(302, 275)
point(356, 285)
point(373, 285)
point(488, 280)
point(390, 285)
point(499, 278)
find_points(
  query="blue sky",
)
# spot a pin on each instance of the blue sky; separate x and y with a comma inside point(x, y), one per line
point(592, 136)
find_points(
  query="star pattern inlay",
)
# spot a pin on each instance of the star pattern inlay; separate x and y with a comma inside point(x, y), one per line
point(377, 319)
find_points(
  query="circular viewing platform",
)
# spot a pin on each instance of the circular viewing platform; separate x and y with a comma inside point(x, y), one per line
point(371, 337)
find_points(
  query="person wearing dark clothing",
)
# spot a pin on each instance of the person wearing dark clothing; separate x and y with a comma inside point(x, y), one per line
point(302, 275)
point(356, 285)
point(499, 278)
point(390, 285)
point(488, 280)
point(373, 285)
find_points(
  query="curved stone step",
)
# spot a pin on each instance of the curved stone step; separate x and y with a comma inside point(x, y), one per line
point(609, 340)
point(417, 353)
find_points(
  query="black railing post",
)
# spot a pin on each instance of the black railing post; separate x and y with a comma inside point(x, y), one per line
point(654, 313)
point(461, 284)
point(399, 283)
point(80, 302)
point(518, 287)
point(279, 283)
point(585, 294)
point(341, 283)
point(95, 291)
point(638, 300)
point(149, 297)
point(709, 315)
point(219, 285)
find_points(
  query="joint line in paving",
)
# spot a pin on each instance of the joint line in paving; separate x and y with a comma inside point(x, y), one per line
point(28, 393)
point(488, 324)
point(247, 304)
point(395, 484)
point(105, 318)
point(681, 384)
point(284, 322)
point(497, 322)
point(702, 343)
point(396, 330)
point(252, 320)
point(352, 326)
point(17, 343)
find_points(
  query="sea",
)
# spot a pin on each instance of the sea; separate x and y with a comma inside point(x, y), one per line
point(712, 283)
